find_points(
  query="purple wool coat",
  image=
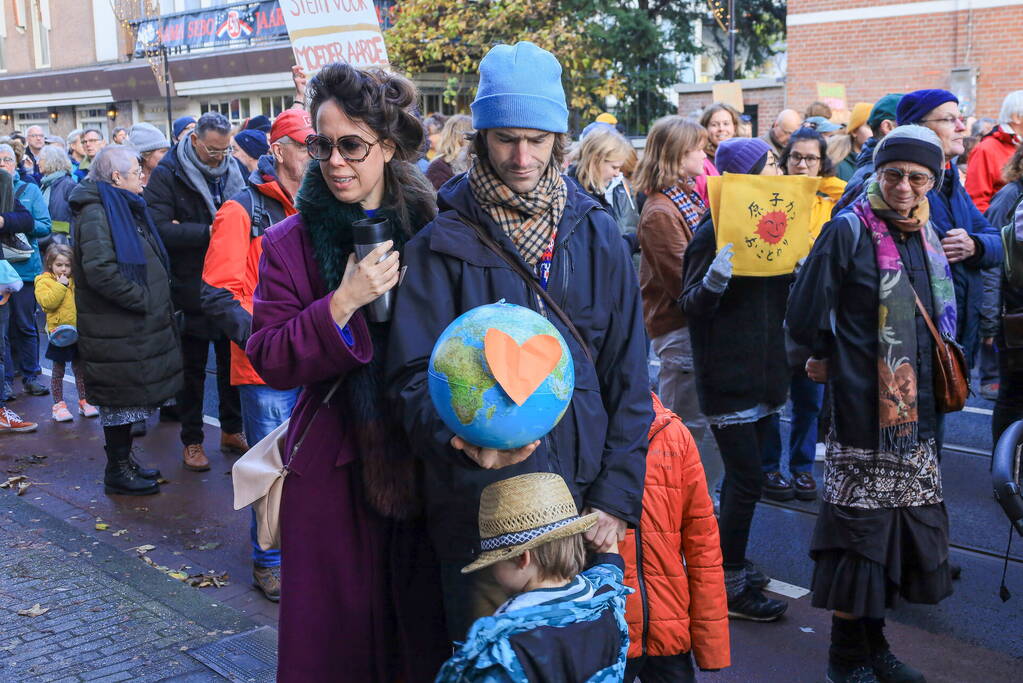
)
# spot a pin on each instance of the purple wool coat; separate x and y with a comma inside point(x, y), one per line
point(343, 565)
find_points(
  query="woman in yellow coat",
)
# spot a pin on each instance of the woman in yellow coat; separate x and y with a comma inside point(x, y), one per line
point(805, 154)
point(55, 293)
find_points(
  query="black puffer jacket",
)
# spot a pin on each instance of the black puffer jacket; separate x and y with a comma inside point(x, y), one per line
point(127, 336)
point(737, 336)
point(171, 198)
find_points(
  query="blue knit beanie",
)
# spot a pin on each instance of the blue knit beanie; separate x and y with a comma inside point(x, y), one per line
point(520, 87)
point(741, 155)
point(180, 124)
point(259, 123)
point(253, 142)
point(919, 103)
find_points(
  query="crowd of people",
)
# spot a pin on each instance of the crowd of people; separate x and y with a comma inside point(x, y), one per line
point(403, 543)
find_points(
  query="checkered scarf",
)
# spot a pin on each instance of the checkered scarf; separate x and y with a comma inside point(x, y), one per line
point(689, 203)
point(530, 220)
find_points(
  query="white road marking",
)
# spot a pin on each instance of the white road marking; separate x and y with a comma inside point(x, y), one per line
point(978, 411)
point(787, 589)
point(70, 379)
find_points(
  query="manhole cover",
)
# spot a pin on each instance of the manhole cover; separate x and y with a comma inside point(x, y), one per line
point(249, 657)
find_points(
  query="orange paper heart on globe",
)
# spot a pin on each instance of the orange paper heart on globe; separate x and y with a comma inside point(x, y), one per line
point(520, 370)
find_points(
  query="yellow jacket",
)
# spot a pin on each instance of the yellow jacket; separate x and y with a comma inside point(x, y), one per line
point(56, 300)
point(828, 192)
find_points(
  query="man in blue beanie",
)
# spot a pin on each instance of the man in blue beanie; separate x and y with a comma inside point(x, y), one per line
point(970, 242)
point(510, 228)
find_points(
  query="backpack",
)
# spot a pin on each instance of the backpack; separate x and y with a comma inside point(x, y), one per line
point(261, 215)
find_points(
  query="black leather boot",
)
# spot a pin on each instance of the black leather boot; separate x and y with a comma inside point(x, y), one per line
point(121, 479)
point(144, 472)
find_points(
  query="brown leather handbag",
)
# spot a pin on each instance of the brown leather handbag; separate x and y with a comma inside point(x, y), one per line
point(951, 382)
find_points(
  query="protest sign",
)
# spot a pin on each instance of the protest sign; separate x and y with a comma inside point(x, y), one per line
point(326, 31)
point(832, 94)
point(730, 94)
point(765, 218)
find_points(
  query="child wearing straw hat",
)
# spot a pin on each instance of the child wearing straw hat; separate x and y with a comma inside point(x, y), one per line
point(562, 623)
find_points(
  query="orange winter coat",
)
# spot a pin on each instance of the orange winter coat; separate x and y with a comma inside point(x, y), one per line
point(679, 604)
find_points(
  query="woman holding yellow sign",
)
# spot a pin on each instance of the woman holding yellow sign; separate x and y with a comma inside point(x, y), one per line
point(735, 321)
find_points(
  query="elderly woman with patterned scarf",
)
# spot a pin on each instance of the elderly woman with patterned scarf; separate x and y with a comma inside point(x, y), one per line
point(882, 532)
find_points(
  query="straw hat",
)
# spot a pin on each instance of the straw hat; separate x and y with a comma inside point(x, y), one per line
point(523, 512)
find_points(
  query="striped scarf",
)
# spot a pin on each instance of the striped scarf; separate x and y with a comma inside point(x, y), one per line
point(688, 202)
point(530, 220)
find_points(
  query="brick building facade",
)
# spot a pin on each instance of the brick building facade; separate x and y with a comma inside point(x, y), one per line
point(972, 47)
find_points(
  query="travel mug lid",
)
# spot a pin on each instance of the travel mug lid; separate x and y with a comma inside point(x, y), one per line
point(371, 230)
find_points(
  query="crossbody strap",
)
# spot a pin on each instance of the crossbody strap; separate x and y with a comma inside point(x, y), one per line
point(305, 432)
point(927, 319)
point(531, 282)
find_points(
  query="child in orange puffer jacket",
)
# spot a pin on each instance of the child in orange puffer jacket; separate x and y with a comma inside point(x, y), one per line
point(673, 561)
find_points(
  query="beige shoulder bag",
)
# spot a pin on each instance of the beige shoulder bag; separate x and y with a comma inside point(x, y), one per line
point(258, 478)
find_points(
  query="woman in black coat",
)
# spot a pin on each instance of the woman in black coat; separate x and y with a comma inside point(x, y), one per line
point(127, 335)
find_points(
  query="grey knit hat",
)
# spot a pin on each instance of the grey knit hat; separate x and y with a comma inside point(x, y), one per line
point(145, 137)
point(917, 144)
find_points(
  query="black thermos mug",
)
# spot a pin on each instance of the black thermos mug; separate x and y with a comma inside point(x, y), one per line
point(367, 235)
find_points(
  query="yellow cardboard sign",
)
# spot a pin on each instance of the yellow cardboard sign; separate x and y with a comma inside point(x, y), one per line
point(765, 218)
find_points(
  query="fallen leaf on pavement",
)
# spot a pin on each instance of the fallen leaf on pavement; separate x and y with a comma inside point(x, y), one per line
point(207, 579)
point(102, 526)
point(806, 629)
point(35, 610)
point(120, 532)
point(180, 576)
point(143, 549)
point(13, 481)
point(23, 486)
point(209, 546)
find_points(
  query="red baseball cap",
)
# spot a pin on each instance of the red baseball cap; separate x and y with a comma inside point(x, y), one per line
point(294, 123)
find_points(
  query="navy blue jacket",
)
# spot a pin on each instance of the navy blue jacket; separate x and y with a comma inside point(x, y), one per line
point(599, 445)
point(952, 208)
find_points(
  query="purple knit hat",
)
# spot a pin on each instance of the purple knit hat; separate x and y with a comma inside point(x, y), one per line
point(919, 103)
point(740, 155)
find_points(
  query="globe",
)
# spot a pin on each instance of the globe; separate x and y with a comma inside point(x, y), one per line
point(473, 403)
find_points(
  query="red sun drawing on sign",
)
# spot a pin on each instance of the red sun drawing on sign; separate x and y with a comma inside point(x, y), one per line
point(771, 227)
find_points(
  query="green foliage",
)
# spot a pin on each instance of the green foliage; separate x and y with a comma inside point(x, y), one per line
point(629, 49)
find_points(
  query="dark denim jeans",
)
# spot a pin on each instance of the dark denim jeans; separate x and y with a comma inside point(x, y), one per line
point(263, 410)
point(195, 353)
point(22, 353)
point(807, 397)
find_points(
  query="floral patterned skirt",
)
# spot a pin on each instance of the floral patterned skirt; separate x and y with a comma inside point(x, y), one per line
point(114, 417)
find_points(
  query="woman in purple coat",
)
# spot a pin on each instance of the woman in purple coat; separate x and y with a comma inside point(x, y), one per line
point(357, 601)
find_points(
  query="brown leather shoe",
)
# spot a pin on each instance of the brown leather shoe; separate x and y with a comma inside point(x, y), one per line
point(268, 581)
point(234, 443)
point(805, 486)
point(777, 487)
point(195, 458)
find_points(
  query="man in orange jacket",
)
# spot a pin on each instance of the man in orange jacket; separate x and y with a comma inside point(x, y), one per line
point(673, 562)
point(229, 278)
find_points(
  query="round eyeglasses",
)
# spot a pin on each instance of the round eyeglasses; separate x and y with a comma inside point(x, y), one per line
point(350, 147)
point(917, 179)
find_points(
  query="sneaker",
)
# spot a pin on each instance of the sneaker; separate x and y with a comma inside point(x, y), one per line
point(86, 409)
point(755, 577)
point(777, 487)
point(889, 669)
point(753, 605)
point(989, 391)
point(268, 581)
point(60, 412)
point(10, 422)
point(8, 392)
point(34, 388)
point(804, 485)
point(859, 674)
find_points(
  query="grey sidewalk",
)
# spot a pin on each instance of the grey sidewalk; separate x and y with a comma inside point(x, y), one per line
point(111, 617)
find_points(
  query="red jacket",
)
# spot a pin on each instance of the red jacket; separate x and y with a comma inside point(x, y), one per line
point(984, 170)
point(679, 604)
point(231, 269)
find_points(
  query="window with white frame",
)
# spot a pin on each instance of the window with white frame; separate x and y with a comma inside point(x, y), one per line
point(273, 106)
point(40, 18)
point(89, 117)
point(27, 119)
point(236, 110)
